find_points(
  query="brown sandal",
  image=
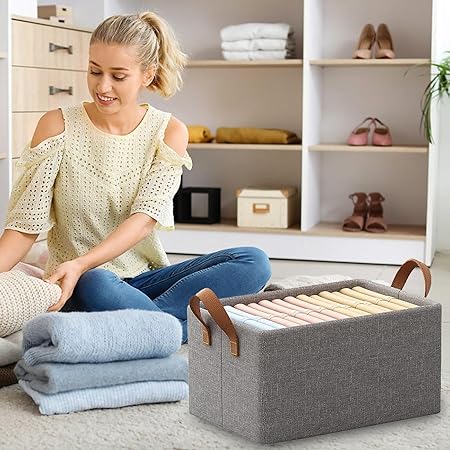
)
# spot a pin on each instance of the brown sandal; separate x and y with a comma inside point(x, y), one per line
point(375, 222)
point(355, 222)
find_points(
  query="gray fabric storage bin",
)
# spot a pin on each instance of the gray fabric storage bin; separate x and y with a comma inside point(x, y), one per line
point(309, 380)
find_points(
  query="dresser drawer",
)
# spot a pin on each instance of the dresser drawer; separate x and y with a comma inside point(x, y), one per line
point(23, 126)
point(31, 89)
point(35, 45)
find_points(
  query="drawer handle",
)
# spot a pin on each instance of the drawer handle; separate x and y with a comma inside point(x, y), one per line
point(53, 47)
point(261, 208)
point(52, 90)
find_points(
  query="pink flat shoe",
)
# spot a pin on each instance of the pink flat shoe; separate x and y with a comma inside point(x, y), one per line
point(360, 135)
point(381, 135)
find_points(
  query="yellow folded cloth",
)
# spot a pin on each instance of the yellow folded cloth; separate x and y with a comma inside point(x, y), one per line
point(256, 136)
point(354, 303)
point(199, 133)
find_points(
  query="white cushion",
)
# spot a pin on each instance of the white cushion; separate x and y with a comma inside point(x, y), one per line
point(23, 297)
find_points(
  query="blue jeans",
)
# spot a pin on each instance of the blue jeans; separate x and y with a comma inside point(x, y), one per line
point(229, 272)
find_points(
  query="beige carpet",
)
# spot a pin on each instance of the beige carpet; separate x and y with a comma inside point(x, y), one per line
point(170, 426)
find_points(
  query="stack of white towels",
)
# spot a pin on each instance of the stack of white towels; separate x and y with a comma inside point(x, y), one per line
point(258, 41)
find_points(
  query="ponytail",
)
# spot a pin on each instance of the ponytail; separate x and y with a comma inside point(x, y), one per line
point(156, 44)
point(171, 60)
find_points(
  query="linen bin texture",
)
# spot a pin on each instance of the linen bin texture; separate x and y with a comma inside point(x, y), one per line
point(309, 380)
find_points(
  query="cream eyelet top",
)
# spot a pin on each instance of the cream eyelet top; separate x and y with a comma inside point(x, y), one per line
point(83, 183)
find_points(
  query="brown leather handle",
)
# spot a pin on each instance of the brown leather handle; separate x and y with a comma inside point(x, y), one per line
point(218, 313)
point(405, 270)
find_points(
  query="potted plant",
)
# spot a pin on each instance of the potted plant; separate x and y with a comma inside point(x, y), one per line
point(436, 88)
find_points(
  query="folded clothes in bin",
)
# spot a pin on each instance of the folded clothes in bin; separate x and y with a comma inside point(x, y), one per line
point(305, 380)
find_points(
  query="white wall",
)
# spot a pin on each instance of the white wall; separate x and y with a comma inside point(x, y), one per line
point(443, 195)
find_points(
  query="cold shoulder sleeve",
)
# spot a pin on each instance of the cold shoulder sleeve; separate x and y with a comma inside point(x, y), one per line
point(159, 185)
point(30, 205)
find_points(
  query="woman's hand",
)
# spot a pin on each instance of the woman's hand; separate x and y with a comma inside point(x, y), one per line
point(67, 275)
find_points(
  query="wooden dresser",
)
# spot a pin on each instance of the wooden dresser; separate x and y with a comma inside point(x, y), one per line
point(49, 64)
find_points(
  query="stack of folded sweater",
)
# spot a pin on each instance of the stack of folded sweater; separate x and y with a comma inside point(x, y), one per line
point(199, 133)
point(247, 135)
point(78, 361)
point(256, 41)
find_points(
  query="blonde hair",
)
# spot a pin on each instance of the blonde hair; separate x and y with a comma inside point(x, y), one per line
point(155, 42)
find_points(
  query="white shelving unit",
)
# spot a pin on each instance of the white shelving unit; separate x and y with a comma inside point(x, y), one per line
point(338, 90)
point(321, 95)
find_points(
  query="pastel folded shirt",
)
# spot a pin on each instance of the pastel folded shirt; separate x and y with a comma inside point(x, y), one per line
point(251, 319)
point(107, 397)
point(246, 135)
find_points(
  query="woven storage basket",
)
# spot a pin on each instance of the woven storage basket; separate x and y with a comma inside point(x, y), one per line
point(290, 383)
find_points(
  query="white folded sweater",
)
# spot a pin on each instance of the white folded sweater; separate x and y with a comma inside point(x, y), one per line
point(256, 30)
point(245, 45)
point(258, 55)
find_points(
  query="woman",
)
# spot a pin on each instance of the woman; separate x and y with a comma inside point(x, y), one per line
point(101, 176)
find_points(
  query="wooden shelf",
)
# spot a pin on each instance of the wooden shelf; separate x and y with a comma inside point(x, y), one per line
point(403, 232)
point(3, 55)
point(323, 229)
point(245, 64)
point(399, 62)
point(3, 156)
point(231, 225)
point(240, 147)
point(367, 148)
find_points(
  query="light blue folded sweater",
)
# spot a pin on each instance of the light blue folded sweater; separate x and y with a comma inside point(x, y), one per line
point(51, 378)
point(107, 397)
point(104, 336)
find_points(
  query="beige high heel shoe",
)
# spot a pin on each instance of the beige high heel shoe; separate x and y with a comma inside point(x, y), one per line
point(385, 47)
point(365, 43)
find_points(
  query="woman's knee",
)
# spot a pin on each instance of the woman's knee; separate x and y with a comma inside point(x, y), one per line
point(95, 278)
point(260, 263)
point(93, 284)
